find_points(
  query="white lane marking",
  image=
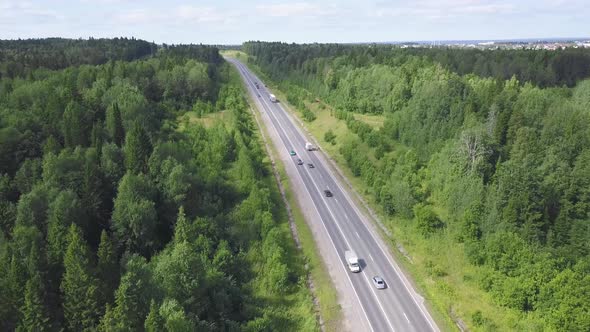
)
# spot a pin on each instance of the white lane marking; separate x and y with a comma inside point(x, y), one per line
point(371, 257)
point(402, 277)
point(406, 318)
point(357, 234)
point(345, 240)
point(327, 232)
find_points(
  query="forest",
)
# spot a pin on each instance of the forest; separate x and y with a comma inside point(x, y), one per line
point(543, 68)
point(488, 151)
point(114, 217)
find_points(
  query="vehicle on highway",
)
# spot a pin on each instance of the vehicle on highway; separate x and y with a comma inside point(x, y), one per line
point(292, 152)
point(299, 162)
point(310, 165)
point(328, 193)
point(309, 146)
point(379, 282)
point(258, 95)
point(272, 98)
point(352, 260)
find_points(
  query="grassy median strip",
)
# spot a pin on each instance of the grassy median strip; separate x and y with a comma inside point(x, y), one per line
point(324, 290)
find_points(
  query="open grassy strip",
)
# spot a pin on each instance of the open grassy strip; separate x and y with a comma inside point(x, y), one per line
point(324, 290)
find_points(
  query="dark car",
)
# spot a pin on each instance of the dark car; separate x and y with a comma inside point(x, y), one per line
point(299, 162)
point(310, 165)
point(328, 193)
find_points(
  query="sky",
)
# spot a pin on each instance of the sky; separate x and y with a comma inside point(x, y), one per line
point(234, 21)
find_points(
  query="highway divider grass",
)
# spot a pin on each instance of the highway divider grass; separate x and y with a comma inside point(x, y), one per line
point(324, 290)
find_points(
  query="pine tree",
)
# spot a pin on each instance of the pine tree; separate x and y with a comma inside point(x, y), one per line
point(182, 229)
point(97, 136)
point(107, 267)
point(34, 314)
point(107, 322)
point(132, 296)
point(74, 130)
point(79, 285)
point(154, 322)
point(115, 125)
point(63, 211)
point(138, 149)
point(12, 290)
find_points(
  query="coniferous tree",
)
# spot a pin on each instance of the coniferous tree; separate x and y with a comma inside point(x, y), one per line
point(78, 285)
point(34, 313)
point(108, 322)
point(74, 127)
point(97, 136)
point(63, 211)
point(115, 125)
point(138, 149)
point(182, 232)
point(132, 296)
point(154, 322)
point(107, 267)
point(12, 289)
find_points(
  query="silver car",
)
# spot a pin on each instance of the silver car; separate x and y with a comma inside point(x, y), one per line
point(379, 282)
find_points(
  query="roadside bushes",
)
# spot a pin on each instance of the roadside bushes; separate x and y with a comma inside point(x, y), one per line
point(426, 219)
point(330, 137)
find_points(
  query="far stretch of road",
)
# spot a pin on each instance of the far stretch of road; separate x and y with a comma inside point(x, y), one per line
point(395, 308)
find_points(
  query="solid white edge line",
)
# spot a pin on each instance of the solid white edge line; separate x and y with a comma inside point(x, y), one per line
point(402, 277)
point(338, 226)
point(327, 232)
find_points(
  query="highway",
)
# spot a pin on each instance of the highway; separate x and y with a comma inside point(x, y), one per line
point(395, 308)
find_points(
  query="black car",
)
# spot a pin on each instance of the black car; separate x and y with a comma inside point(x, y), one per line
point(310, 165)
point(328, 193)
point(299, 162)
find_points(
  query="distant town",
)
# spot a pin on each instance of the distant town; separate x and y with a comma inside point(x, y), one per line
point(532, 44)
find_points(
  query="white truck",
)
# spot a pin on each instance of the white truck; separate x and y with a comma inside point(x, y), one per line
point(352, 261)
point(272, 98)
point(309, 146)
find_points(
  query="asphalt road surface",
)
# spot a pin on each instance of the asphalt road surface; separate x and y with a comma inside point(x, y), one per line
point(397, 307)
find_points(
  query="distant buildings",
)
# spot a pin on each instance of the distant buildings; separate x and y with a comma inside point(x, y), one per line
point(550, 45)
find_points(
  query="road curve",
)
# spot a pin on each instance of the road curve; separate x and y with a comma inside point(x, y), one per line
point(396, 308)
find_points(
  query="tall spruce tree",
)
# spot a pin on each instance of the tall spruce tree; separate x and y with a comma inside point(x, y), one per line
point(34, 313)
point(115, 125)
point(74, 127)
point(138, 149)
point(79, 287)
point(153, 321)
point(108, 271)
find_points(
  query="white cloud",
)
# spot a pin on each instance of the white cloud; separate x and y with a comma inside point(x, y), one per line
point(290, 9)
point(23, 11)
point(185, 14)
point(443, 9)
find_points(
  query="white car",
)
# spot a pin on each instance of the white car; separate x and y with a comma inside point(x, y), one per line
point(379, 282)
